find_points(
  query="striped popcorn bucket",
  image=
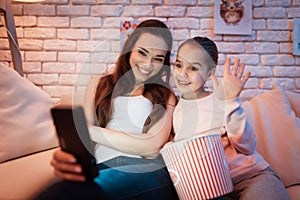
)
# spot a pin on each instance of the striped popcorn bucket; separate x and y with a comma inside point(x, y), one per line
point(198, 167)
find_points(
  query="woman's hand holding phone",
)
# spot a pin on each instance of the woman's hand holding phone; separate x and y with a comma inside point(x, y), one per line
point(66, 166)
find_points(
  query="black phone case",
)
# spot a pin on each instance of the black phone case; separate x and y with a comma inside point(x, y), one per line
point(73, 134)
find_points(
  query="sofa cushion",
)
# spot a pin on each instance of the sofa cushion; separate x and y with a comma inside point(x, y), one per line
point(294, 191)
point(278, 133)
point(26, 177)
point(294, 99)
point(26, 125)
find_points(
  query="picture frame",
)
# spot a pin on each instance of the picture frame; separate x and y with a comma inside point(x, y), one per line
point(296, 40)
point(233, 17)
point(126, 28)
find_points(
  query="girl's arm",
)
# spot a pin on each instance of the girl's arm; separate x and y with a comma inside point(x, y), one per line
point(239, 131)
point(147, 144)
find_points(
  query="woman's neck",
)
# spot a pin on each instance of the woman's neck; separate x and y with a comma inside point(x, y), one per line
point(137, 90)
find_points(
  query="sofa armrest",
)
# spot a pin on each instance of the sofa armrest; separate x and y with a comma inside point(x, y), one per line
point(25, 177)
point(294, 191)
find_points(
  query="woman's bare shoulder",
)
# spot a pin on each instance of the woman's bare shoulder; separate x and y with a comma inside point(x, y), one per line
point(172, 101)
point(94, 80)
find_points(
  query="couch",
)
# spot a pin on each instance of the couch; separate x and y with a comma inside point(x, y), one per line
point(28, 136)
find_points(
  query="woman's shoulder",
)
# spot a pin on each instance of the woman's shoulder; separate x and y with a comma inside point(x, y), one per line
point(172, 100)
point(93, 82)
point(95, 79)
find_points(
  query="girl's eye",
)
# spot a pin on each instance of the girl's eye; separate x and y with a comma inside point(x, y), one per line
point(194, 68)
point(177, 65)
point(142, 53)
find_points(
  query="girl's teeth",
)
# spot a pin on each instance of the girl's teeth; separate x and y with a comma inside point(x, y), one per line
point(183, 82)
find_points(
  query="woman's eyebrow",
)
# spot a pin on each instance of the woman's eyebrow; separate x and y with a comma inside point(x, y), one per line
point(162, 56)
point(144, 49)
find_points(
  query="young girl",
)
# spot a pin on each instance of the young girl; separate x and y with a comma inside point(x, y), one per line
point(130, 116)
point(199, 111)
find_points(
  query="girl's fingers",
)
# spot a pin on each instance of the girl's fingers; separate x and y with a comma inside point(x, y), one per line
point(235, 66)
point(241, 70)
point(246, 77)
point(227, 66)
point(214, 80)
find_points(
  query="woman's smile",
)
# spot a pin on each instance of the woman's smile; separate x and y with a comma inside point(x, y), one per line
point(144, 70)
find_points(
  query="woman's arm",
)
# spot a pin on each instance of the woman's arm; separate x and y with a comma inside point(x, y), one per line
point(89, 101)
point(147, 144)
point(65, 164)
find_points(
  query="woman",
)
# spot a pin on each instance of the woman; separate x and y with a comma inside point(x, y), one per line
point(130, 113)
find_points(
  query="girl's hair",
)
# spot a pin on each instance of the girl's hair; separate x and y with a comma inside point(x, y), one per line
point(122, 80)
point(210, 48)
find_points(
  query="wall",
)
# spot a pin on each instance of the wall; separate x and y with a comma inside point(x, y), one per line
point(60, 38)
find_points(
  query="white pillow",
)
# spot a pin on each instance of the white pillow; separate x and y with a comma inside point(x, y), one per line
point(294, 99)
point(278, 133)
point(26, 125)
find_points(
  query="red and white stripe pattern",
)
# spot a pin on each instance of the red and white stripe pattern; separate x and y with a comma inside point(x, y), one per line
point(198, 167)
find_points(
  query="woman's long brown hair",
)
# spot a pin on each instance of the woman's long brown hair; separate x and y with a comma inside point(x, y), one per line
point(122, 80)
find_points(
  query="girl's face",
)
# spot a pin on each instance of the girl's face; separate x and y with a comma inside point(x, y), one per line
point(190, 71)
point(147, 56)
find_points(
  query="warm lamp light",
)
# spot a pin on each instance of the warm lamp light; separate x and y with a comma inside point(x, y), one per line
point(29, 1)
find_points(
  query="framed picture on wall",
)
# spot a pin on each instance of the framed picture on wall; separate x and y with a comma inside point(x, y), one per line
point(296, 41)
point(126, 28)
point(233, 17)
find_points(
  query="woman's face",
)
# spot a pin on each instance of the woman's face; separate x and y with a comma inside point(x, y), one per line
point(147, 56)
point(190, 71)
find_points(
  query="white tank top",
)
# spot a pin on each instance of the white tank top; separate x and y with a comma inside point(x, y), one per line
point(129, 115)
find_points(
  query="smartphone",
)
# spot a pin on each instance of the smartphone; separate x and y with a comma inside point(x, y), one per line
point(74, 137)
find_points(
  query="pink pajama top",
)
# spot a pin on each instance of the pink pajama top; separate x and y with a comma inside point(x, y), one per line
point(193, 117)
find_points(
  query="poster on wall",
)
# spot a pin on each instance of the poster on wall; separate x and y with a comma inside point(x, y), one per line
point(296, 41)
point(233, 17)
